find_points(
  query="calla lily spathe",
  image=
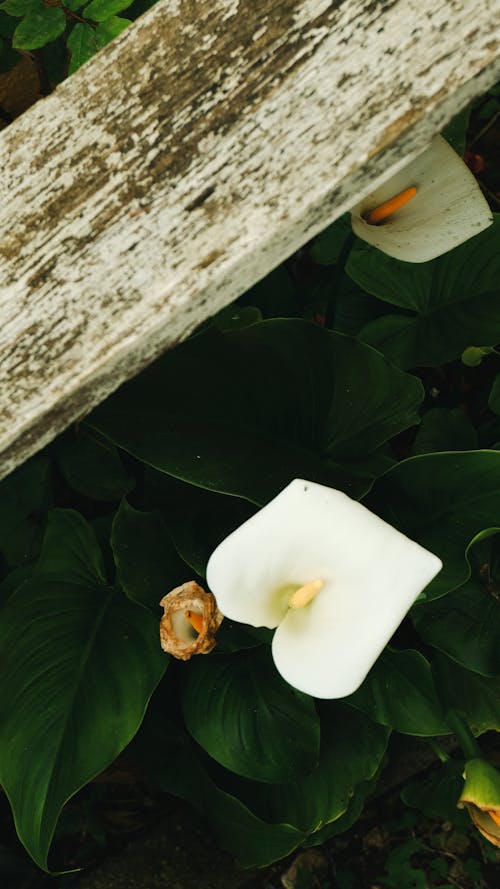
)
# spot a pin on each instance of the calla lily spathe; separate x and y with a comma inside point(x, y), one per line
point(481, 796)
point(332, 577)
point(447, 209)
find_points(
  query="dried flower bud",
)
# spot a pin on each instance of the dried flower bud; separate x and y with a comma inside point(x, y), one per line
point(190, 621)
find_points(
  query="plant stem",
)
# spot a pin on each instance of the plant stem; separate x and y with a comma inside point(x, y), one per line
point(438, 750)
point(461, 729)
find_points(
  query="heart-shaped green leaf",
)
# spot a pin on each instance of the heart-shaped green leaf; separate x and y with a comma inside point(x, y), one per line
point(465, 624)
point(171, 763)
point(437, 793)
point(442, 501)
point(442, 429)
point(352, 748)
point(475, 696)
point(147, 562)
point(350, 816)
point(200, 523)
point(248, 718)
point(399, 691)
point(92, 466)
point(454, 300)
point(79, 663)
point(200, 415)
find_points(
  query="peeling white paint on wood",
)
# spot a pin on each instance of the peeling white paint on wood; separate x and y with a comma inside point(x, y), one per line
point(188, 159)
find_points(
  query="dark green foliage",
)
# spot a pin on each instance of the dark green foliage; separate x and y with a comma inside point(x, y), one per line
point(399, 691)
point(248, 718)
point(466, 623)
point(248, 434)
point(147, 563)
point(148, 485)
point(437, 793)
point(41, 25)
point(78, 667)
point(24, 499)
point(442, 501)
point(443, 429)
point(450, 303)
point(71, 32)
point(92, 466)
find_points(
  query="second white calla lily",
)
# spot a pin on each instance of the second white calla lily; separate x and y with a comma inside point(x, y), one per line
point(332, 577)
point(446, 209)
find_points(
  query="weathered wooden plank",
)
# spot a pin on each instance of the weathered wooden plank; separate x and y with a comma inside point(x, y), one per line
point(188, 159)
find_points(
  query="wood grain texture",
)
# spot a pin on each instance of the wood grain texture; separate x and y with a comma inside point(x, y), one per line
point(188, 159)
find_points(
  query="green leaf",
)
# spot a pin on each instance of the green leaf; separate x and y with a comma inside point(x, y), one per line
point(352, 749)
point(235, 636)
point(436, 794)
point(21, 7)
point(475, 696)
point(442, 501)
point(111, 28)
point(399, 691)
point(83, 43)
point(79, 663)
point(465, 624)
point(39, 28)
point(202, 522)
point(348, 818)
point(248, 718)
point(25, 495)
point(147, 562)
point(354, 308)
point(454, 300)
point(472, 356)
point(101, 10)
point(70, 551)
point(399, 870)
point(328, 246)
point(92, 466)
point(172, 765)
point(494, 398)
point(199, 415)
point(442, 429)
point(235, 317)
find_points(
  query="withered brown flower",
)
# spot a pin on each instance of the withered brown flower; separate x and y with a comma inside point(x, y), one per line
point(190, 621)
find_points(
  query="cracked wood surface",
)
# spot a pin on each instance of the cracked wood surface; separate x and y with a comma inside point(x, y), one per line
point(188, 159)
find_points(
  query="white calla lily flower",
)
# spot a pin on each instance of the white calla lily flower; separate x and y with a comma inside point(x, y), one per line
point(332, 577)
point(432, 205)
